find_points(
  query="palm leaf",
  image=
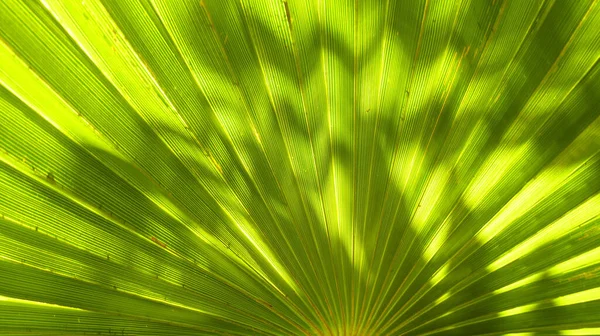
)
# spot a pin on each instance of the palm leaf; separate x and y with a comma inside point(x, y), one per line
point(299, 167)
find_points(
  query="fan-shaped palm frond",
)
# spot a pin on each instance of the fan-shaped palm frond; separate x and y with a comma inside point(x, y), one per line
point(321, 167)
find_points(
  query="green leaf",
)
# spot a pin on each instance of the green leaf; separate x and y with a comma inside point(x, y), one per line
point(286, 167)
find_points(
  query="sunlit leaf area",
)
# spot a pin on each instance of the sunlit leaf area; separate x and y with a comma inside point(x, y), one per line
point(299, 167)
